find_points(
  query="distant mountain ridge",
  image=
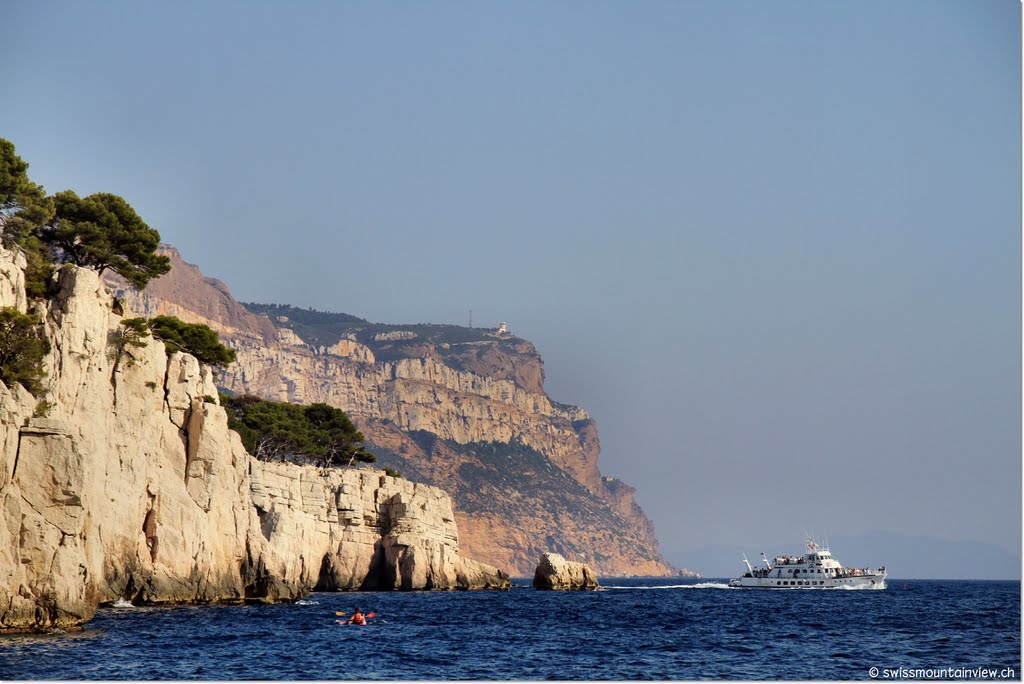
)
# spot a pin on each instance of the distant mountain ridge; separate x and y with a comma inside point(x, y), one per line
point(461, 408)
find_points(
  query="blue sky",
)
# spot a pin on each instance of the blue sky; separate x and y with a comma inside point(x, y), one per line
point(774, 248)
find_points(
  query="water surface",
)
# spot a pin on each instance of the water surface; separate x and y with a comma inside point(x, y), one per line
point(634, 629)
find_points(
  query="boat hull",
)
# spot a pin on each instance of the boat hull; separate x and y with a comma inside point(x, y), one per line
point(855, 582)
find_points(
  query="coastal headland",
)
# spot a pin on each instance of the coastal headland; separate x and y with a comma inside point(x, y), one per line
point(460, 408)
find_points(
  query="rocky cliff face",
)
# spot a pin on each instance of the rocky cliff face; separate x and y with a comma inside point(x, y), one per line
point(132, 486)
point(468, 389)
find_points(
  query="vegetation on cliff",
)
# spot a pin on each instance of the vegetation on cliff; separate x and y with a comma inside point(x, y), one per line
point(100, 231)
point(24, 207)
point(197, 339)
point(22, 350)
point(273, 430)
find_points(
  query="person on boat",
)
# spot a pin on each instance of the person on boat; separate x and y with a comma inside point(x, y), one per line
point(357, 618)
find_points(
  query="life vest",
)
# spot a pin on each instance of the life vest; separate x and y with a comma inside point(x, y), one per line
point(358, 619)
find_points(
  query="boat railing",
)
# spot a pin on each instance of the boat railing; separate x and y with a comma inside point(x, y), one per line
point(859, 572)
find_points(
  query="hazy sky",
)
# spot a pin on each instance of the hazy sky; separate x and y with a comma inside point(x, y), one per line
point(773, 247)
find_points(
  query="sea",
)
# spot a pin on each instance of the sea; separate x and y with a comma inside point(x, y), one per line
point(669, 629)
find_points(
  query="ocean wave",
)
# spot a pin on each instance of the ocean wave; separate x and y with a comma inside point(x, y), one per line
point(306, 602)
point(699, 585)
point(123, 603)
point(857, 587)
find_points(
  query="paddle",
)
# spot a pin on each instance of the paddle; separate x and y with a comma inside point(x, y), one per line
point(341, 612)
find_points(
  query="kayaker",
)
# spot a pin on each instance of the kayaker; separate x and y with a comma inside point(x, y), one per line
point(357, 618)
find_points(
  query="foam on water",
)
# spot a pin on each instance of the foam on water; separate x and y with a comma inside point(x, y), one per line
point(123, 603)
point(858, 587)
point(699, 585)
point(306, 602)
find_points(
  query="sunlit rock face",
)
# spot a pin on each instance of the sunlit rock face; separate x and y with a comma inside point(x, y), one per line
point(555, 573)
point(124, 482)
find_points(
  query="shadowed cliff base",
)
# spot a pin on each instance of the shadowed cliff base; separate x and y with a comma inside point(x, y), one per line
point(514, 503)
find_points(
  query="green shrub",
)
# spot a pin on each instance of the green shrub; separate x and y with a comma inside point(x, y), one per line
point(197, 339)
point(273, 430)
point(22, 350)
point(391, 472)
point(39, 282)
point(133, 332)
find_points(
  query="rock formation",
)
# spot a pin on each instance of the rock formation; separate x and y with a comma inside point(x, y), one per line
point(555, 573)
point(447, 405)
point(127, 483)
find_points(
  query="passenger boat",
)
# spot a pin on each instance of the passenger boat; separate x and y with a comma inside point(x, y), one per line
point(816, 569)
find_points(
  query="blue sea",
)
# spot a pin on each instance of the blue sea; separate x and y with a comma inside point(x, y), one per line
point(632, 629)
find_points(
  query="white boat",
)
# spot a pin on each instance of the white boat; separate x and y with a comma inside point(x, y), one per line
point(816, 569)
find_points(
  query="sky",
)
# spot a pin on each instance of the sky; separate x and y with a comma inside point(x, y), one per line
point(773, 248)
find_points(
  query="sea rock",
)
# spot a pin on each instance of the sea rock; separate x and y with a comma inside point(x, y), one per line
point(556, 573)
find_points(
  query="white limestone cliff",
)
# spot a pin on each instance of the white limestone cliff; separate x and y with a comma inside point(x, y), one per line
point(130, 485)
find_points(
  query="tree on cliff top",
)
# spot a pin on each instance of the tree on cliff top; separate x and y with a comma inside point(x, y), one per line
point(102, 231)
point(24, 209)
point(273, 430)
point(23, 204)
